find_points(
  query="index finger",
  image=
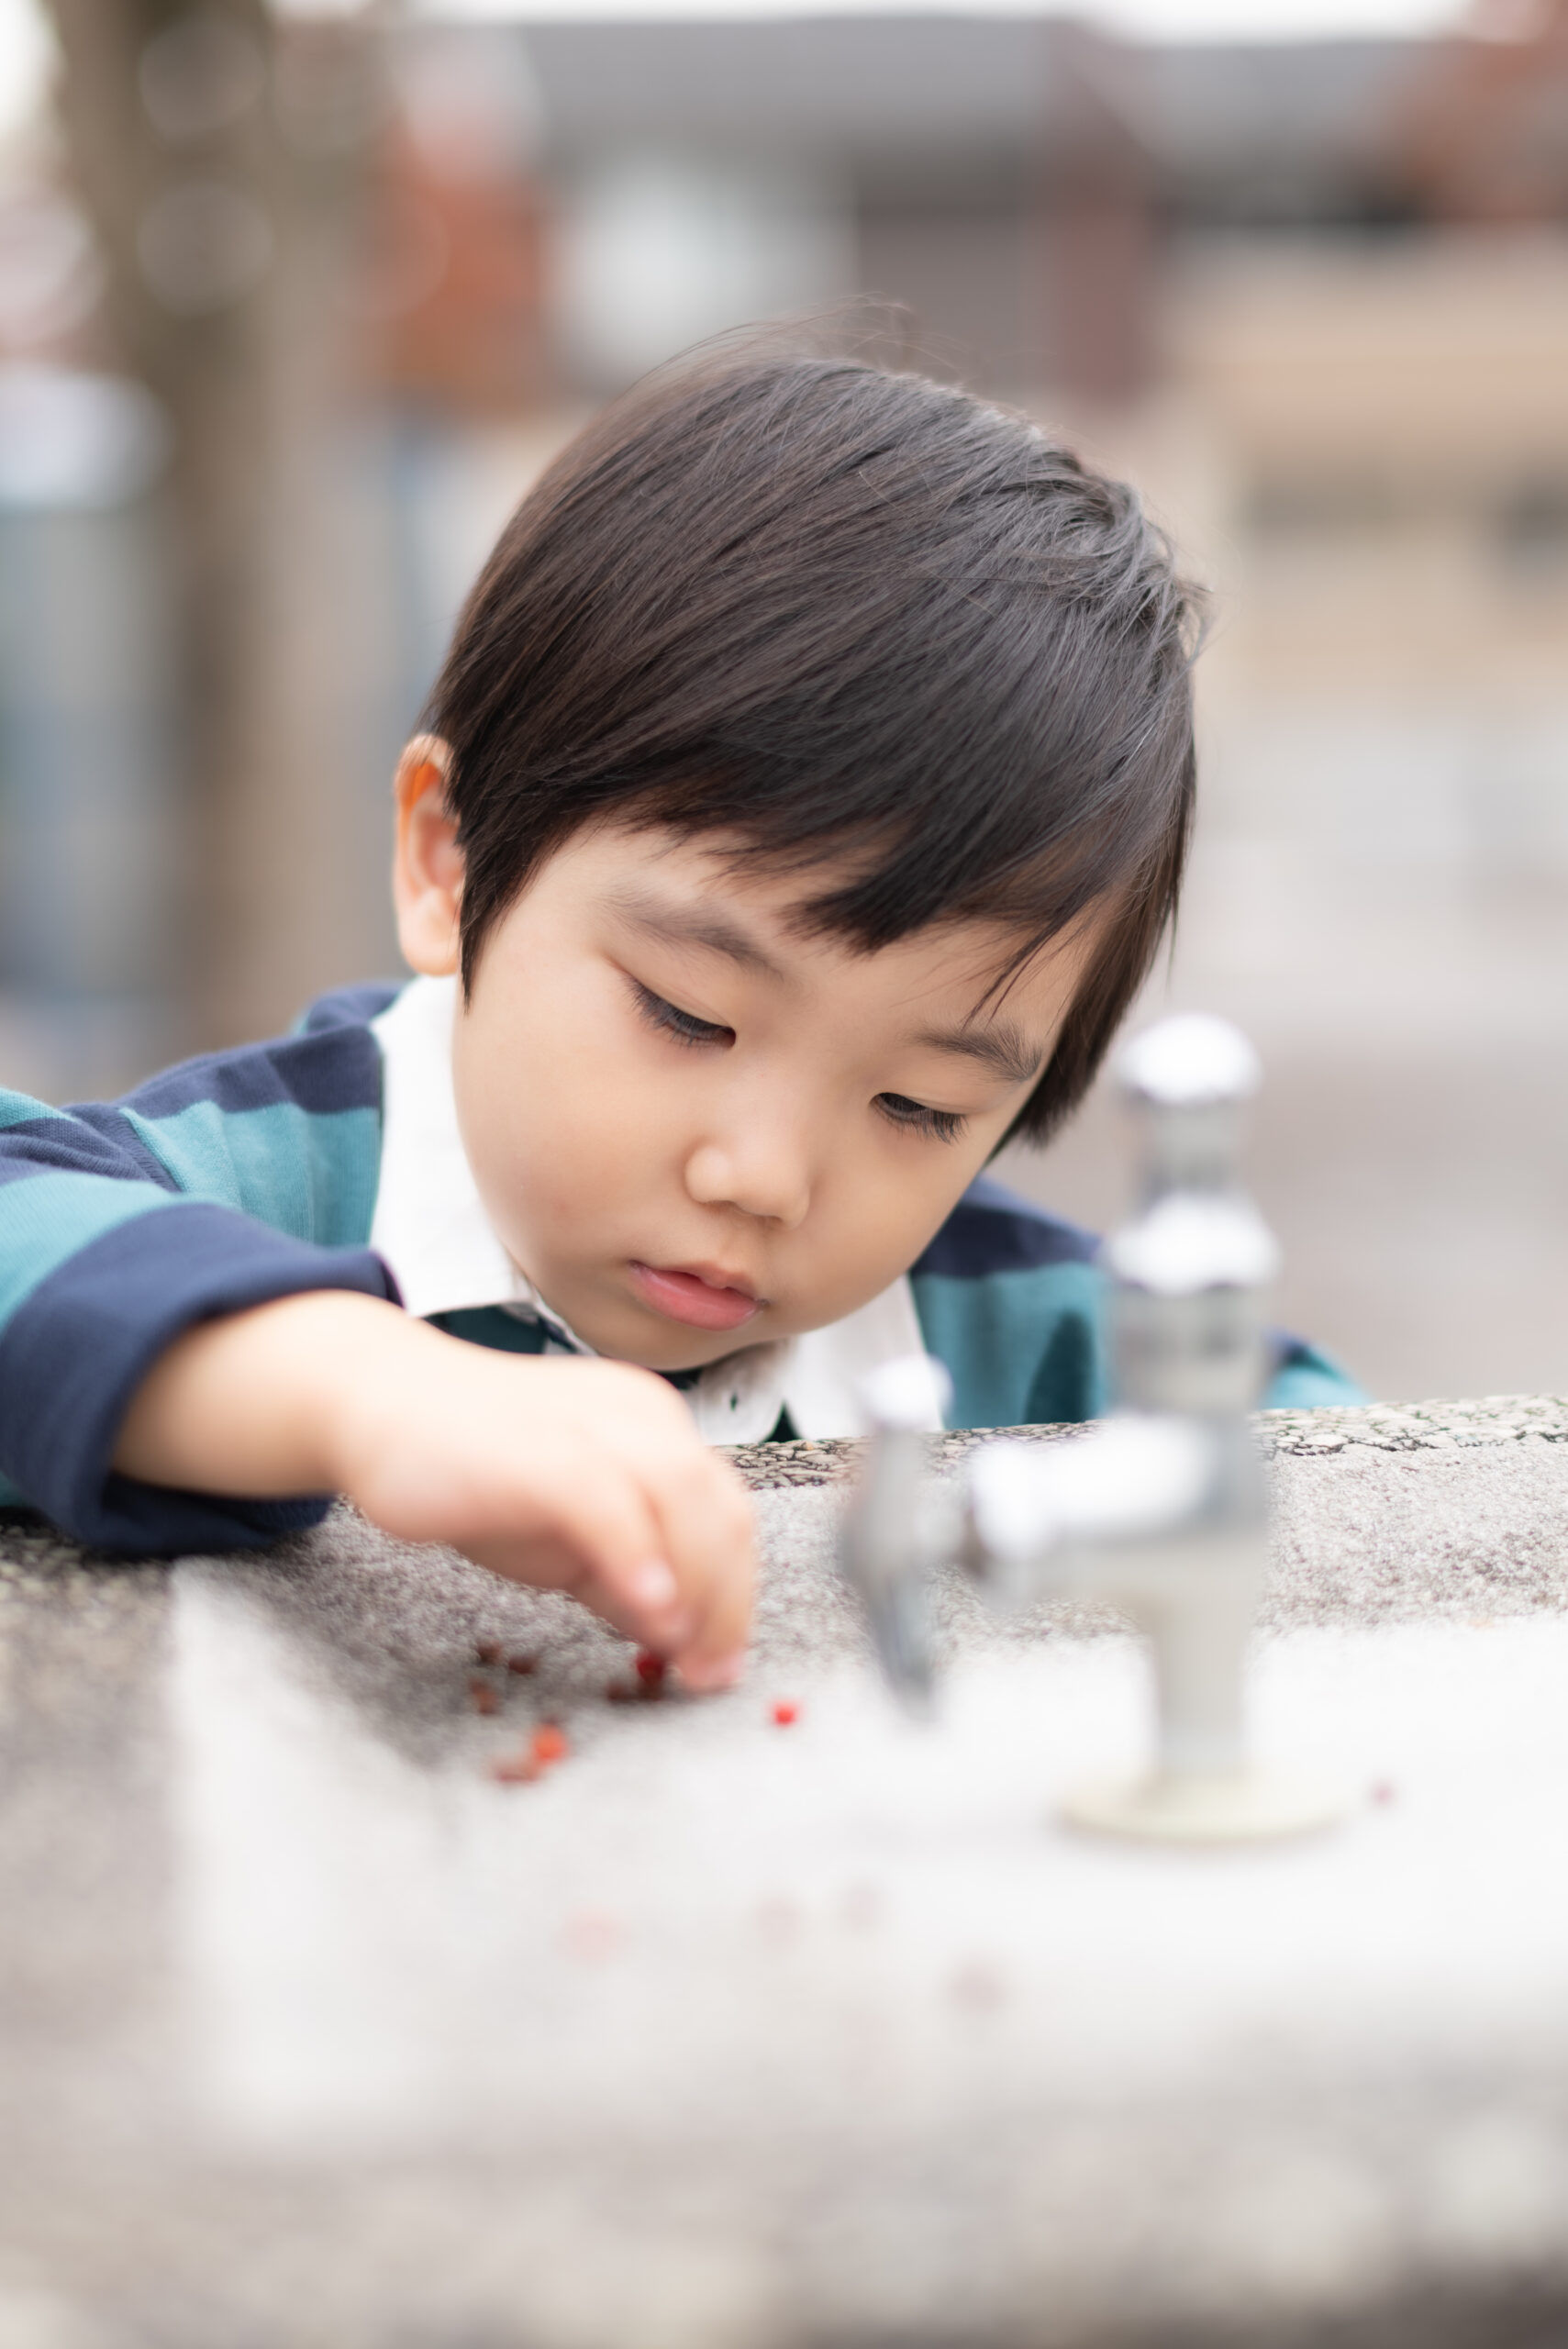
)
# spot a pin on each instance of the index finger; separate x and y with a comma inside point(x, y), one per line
point(706, 1518)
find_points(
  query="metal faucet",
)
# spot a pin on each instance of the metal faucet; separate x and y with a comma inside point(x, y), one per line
point(1163, 1509)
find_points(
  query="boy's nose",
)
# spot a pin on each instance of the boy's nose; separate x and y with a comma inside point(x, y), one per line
point(766, 1180)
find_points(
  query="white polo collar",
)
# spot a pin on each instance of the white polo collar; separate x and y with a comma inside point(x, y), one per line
point(431, 1229)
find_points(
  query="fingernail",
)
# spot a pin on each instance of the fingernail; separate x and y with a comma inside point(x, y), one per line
point(712, 1673)
point(653, 1585)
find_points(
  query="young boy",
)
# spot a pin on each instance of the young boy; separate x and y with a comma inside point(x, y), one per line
point(804, 796)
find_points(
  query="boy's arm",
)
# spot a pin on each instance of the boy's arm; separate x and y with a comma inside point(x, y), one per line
point(1302, 1377)
point(176, 1375)
point(104, 1259)
point(216, 1186)
point(587, 1477)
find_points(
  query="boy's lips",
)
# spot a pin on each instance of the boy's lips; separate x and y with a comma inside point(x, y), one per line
point(702, 1294)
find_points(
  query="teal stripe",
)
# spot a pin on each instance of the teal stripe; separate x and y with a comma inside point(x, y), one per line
point(1308, 1381)
point(312, 1174)
point(20, 1109)
point(48, 1216)
point(999, 1333)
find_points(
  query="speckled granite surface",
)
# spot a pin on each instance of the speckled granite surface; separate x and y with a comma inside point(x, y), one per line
point(728, 2033)
point(1436, 1426)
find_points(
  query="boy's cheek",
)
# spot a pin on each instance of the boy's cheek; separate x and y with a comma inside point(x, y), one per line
point(858, 1246)
point(558, 1159)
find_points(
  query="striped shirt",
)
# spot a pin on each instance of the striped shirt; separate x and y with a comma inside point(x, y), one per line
point(331, 1159)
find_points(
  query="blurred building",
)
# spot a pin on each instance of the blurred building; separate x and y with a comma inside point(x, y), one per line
point(1289, 242)
point(1308, 291)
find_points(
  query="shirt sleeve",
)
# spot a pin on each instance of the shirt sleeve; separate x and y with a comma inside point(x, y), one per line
point(1303, 1379)
point(1014, 1302)
point(109, 1249)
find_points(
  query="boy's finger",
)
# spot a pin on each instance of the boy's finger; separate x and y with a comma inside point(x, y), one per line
point(608, 1549)
point(554, 1564)
point(635, 1589)
point(705, 1516)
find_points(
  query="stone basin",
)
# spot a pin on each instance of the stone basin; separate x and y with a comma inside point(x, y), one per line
point(727, 2030)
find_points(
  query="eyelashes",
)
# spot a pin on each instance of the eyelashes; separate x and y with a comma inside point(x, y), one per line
point(684, 1025)
point(909, 1116)
point(942, 1125)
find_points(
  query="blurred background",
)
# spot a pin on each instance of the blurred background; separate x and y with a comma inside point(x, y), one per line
point(296, 301)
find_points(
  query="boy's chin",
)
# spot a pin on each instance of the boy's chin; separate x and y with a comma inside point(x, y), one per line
point(693, 1349)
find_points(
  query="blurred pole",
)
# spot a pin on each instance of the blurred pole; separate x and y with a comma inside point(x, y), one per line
point(1480, 134)
point(87, 846)
point(1098, 226)
point(215, 168)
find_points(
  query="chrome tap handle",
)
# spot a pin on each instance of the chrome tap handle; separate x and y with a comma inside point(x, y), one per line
point(1192, 1268)
point(1160, 1511)
point(1192, 1076)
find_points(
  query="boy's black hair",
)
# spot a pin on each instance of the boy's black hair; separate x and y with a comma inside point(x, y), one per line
point(850, 615)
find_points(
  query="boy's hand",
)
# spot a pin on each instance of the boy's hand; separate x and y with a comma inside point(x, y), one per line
point(586, 1477)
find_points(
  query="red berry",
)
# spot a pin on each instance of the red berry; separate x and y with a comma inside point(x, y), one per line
point(483, 1697)
point(591, 1934)
point(549, 1743)
point(522, 1663)
point(650, 1668)
point(978, 1987)
point(786, 1712)
point(488, 1650)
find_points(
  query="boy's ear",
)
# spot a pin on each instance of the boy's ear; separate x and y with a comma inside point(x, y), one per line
point(427, 865)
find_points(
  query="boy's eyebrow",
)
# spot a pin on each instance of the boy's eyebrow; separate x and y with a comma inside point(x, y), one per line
point(695, 925)
point(1001, 1047)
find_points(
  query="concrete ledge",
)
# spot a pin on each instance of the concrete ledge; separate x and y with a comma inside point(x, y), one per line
point(1382, 1514)
point(730, 2035)
point(1436, 1426)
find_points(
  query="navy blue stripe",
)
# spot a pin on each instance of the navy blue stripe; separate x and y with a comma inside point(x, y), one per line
point(353, 1007)
point(337, 1068)
point(993, 1231)
point(493, 1326)
point(93, 1139)
point(75, 1354)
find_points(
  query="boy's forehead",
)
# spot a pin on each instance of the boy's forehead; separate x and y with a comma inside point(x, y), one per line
point(778, 882)
point(720, 889)
point(778, 892)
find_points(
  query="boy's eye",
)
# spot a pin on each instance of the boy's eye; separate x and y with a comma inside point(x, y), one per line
point(946, 1125)
point(686, 1025)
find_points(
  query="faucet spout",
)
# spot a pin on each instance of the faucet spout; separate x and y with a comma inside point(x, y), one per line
point(1161, 1518)
point(1162, 1511)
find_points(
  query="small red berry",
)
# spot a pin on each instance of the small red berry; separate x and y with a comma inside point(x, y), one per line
point(488, 1650)
point(650, 1669)
point(862, 1906)
point(523, 1663)
point(778, 1921)
point(978, 1987)
point(549, 1743)
point(786, 1712)
point(592, 1934)
point(483, 1697)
